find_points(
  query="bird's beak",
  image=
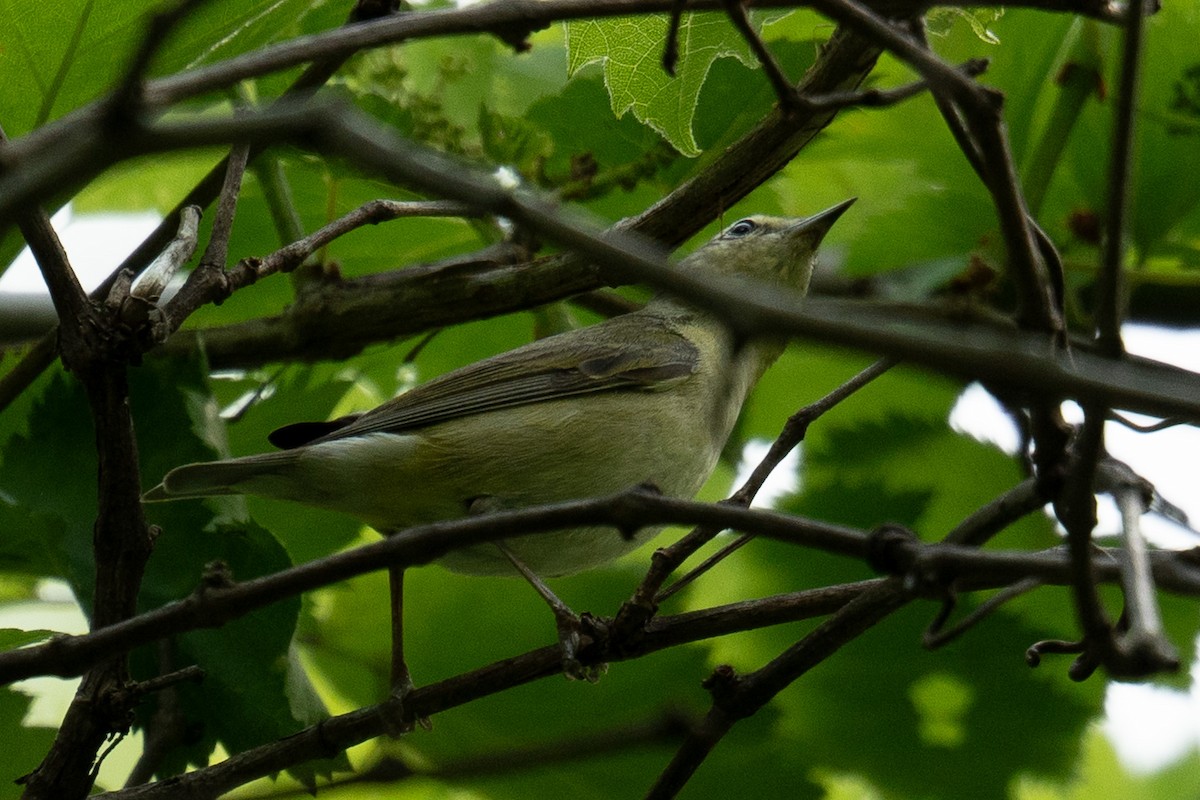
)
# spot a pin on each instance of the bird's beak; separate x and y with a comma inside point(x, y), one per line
point(819, 224)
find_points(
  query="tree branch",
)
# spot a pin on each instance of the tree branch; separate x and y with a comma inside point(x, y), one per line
point(82, 123)
point(736, 697)
point(1111, 300)
point(209, 606)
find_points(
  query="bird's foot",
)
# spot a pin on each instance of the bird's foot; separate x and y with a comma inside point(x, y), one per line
point(571, 631)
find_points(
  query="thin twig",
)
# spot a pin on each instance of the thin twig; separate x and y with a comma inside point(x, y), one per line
point(794, 431)
point(43, 353)
point(670, 56)
point(736, 697)
point(988, 151)
point(785, 90)
point(1077, 511)
point(1111, 299)
point(51, 257)
point(796, 428)
point(216, 253)
point(882, 98)
point(936, 636)
point(1153, 427)
point(370, 213)
point(250, 270)
point(1016, 503)
point(740, 541)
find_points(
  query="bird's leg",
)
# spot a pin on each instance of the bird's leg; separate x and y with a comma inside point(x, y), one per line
point(400, 680)
point(566, 621)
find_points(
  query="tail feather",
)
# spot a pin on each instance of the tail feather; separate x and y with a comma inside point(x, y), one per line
point(214, 478)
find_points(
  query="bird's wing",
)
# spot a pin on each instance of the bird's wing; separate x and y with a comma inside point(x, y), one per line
point(643, 354)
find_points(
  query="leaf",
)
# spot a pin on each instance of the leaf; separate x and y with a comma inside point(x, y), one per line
point(945, 724)
point(252, 689)
point(12, 638)
point(630, 49)
point(977, 19)
point(455, 623)
point(51, 73)
point(514, 141)
point(246, 698)
point(24, 746)
point(60, 56)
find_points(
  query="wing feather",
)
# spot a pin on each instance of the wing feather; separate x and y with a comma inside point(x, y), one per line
point(634, 352)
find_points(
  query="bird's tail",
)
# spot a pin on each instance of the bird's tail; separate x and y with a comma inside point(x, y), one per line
point(233, 476)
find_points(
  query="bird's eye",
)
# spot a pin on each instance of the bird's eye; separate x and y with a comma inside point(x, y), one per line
point(741, 228)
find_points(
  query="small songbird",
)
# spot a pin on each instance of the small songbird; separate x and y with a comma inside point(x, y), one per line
point(649, 397)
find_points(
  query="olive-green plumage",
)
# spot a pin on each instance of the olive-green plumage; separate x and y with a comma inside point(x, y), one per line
point(648, 397)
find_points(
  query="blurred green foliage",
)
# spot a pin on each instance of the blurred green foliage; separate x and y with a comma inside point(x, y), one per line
point(883, 718)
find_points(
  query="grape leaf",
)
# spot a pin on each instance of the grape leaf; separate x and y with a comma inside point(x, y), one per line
point(630, 49)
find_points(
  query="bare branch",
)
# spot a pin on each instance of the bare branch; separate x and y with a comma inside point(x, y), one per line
point(1173, 570)
point(1111, 298)
point(1023, 499)
point(1154, 427)
point(81, 123)
point(736, 698)
point(785, 91)
point(882, 98)
point(1076, 510)
point(1143, 638)
point(156, 277)
point(936, 635)
point(970, 567)
point(794, 431)
point(1155, 390)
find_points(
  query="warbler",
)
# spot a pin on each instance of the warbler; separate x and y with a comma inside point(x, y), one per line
point(649, 397)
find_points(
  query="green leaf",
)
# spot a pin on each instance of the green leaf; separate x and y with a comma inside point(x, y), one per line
point(945, 724)
point(61, 56)
point(12, 638)
point(977, 19)
point(24, 747)
point(630, 49)
point(252, 689)
point(246, 698)
point(514, 141)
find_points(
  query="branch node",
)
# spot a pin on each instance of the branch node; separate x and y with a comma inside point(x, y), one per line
point(216, 575)
point(516, 36)
point(888, 549)
point(723, 685)
point(374, 9)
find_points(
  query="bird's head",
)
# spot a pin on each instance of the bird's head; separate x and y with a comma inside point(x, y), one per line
point(768, 249)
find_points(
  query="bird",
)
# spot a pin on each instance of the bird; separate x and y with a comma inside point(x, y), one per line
point(647, 398)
